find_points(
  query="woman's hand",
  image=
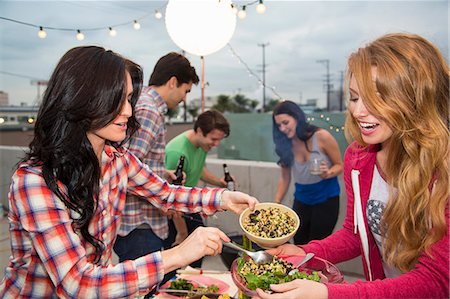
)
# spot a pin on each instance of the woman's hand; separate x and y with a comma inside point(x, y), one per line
point(299, 288)
point(324, 169)
point(286, 249)
point(202, 241)
point(237, 201)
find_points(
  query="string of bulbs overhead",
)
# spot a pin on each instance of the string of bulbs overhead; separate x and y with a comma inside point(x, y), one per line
point(331, 125)
point(252, 73)
point(239, 10)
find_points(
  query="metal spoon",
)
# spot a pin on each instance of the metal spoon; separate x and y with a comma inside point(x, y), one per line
point(260, 257)
point(304, 261)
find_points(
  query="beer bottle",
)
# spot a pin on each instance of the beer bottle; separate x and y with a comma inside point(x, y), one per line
point(179, 171)
point(228, 179)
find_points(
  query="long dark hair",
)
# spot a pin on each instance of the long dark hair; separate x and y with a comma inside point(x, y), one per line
point(304, 131)
point(85, 92)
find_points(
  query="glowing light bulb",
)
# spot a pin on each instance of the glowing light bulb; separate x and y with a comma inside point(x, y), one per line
point(234, 9)
point(42, 33)
point(242, 13)
point(214, 18)
point(260, 8)
point(158, 14)
point(136, 25)
point(112, 32)
point(80, 36)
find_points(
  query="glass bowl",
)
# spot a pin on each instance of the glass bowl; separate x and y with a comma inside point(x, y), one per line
point(328, 272)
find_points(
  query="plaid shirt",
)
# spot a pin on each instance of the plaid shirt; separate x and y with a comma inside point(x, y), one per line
point(52, 260)
point(148, 145)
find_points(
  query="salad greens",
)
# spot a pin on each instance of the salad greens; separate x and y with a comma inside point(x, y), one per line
point(183, 284)
point(277, 276)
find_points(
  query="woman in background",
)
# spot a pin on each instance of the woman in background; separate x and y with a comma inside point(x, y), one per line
point(396, 177)
point(299, 145)
point(68, 193)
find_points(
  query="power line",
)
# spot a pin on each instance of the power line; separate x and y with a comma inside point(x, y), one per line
point(252, 73)
point(19, 75)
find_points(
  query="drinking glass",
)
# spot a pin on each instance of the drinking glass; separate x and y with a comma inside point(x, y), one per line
point(314, 165)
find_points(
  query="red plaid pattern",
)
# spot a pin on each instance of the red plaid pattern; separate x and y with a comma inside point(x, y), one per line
point(49, 259)
point(148, 144)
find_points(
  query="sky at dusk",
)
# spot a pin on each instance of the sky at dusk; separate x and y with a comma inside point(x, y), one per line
point(298, 34)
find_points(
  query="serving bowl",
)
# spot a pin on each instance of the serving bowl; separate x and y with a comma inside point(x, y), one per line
point(328, 272)
point(269, 242)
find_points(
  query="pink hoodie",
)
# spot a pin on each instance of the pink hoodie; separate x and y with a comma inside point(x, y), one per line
point(428, 279)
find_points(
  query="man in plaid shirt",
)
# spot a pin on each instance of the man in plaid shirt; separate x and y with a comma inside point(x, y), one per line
point(144, 227)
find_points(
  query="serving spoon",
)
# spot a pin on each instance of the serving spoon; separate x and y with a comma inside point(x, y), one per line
point(304, 261)
point(259, 257)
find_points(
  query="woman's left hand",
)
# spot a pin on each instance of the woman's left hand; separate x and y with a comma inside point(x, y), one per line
point(237, 201)
point(324, 169)
point(299, 288)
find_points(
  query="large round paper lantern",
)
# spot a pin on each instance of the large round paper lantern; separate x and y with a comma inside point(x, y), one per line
point(200, 27)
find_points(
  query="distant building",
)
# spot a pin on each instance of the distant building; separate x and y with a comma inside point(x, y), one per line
point(17, 116)
point(335, 101)
point(4, 98)
point(310, 106)
point(209, 102)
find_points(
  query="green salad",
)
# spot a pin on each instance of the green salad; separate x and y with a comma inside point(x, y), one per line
point(275, 272)
point(185, 285)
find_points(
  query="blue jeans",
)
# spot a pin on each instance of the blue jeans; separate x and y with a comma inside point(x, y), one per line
point(192, 222)
point(137, 243)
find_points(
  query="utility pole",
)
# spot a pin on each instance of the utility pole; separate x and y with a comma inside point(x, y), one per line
point(264, 45)
point(39, 83)
point(184, 102)
point(341, 91)
point(327, 80)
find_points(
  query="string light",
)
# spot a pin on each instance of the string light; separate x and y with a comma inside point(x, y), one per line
point(80, 36)
point(242, 13)
point(260, 8)
point(252, 74)
point(112, 32)
point(158, 14)
point(42, 33)
point(234, 9)
point(136, 25)
point(331, 126)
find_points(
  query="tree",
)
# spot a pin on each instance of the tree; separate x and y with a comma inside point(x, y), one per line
point(237, 104)
point(193, 110)
point(271, 104)
point(171, 113)
point(223, 103)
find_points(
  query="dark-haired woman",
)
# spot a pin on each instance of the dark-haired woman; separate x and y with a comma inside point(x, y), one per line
point(299, 145)
point(67, 194)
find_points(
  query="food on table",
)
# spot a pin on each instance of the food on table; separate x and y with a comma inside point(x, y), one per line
point(275, 272)
point(224, 296)
point(186, 285)
point(269, 223)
